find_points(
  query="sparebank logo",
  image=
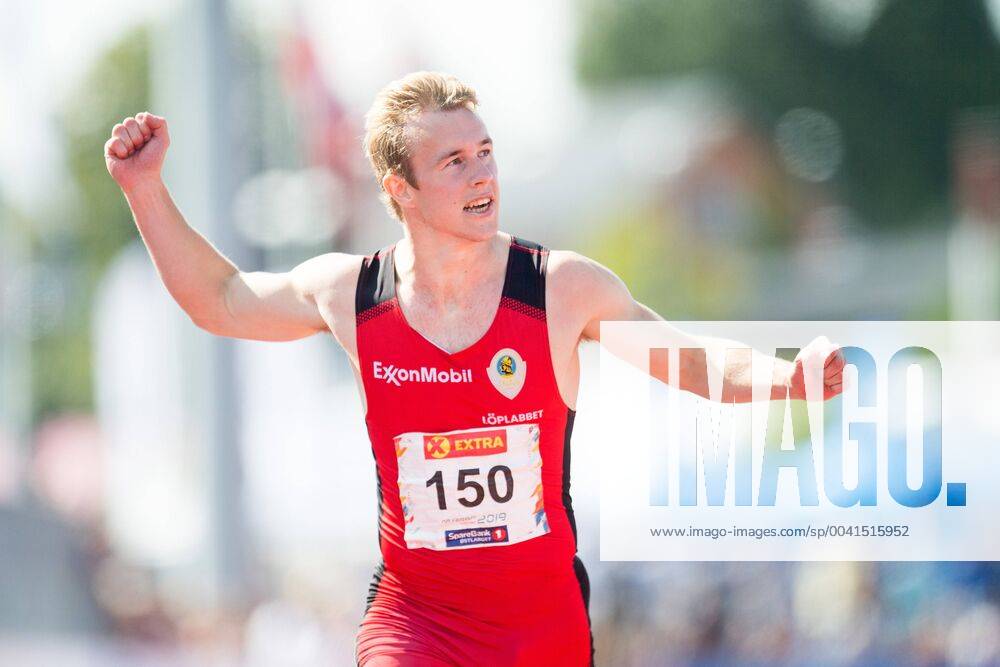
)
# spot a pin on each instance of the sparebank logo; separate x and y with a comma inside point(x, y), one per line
point(470, 536)
point(729, 447)
point(473, 443)
point(397, 376)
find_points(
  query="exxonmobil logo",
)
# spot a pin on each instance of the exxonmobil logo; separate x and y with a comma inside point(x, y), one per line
point(395, 375)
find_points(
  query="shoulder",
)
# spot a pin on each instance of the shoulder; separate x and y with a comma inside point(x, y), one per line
point(583, 292)
point(573, 276)
point(330, 272)
point(330, 281)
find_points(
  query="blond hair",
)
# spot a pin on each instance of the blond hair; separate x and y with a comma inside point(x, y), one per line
point(396, 105)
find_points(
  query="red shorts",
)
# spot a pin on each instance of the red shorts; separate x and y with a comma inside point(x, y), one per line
point(550, 629)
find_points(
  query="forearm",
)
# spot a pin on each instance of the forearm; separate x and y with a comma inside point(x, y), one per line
point(193, 271)
point(734, 361)
point(704, 357)
point(737, 366)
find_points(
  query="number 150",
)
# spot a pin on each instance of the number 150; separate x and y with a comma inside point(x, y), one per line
point(478, 493)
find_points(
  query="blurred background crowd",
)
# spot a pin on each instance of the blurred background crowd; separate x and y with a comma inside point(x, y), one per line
point(170, 498)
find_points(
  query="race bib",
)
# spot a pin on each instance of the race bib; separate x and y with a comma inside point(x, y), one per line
point(468, 489)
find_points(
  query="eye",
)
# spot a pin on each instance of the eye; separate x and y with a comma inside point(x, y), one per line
point(485, 152)
point(454, 161)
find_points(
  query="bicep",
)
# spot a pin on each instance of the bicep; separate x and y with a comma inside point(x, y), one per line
point(269, 306)
point(261, 305)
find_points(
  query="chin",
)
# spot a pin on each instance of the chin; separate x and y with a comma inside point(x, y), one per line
point(487, 229)
point(478, 234)
point(465, 227)
point(479, 229)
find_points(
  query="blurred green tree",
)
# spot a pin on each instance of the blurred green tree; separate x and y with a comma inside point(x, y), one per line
point(74, 255)
point(893, 74)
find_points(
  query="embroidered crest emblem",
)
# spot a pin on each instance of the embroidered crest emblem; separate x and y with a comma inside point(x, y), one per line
point(506, 371)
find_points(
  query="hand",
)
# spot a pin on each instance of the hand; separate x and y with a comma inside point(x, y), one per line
point(134, 153)
point(820, 353)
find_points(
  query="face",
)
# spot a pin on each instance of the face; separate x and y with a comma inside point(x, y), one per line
point(451, 158)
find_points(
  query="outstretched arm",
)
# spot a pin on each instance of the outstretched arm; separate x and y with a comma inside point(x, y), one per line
point(215, 294)
point(599, 295)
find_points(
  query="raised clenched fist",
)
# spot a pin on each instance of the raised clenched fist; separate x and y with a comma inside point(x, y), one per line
point(134, 153)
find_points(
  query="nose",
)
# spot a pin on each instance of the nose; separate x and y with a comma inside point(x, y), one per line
point(483, 174)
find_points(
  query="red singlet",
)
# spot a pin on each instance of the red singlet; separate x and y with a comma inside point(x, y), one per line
point(472, 453)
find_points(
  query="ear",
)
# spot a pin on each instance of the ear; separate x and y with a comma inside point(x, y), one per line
point(397, 188)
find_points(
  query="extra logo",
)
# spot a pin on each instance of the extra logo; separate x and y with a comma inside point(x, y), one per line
point(506, 372)
point(473, 443)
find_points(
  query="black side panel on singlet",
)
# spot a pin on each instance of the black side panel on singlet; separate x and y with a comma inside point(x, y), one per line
point(526, 274)
point(376, 282)
point(567, 499)
point(584, 581)
point(374, 585)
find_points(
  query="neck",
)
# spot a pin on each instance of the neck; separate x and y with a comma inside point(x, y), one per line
point(444, 268)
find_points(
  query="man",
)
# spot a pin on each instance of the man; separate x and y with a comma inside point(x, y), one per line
point(464, 341)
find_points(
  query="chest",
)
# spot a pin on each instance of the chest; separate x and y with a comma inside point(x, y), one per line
point(451, 326)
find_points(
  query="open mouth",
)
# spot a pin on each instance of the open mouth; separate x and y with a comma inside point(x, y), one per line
point(479, 206)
